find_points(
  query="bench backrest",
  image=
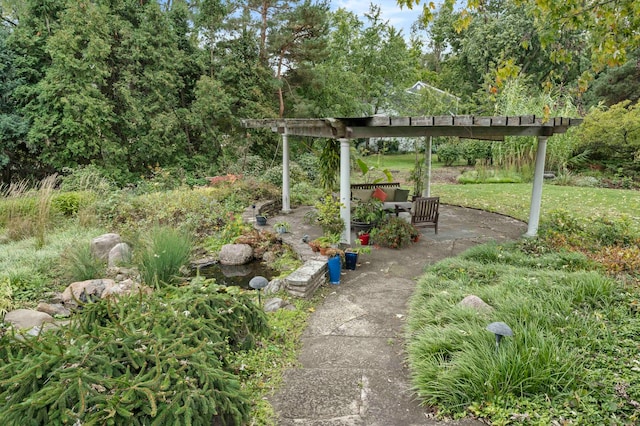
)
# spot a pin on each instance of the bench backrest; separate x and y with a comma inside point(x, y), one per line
point(425, 209)
point(373, 186)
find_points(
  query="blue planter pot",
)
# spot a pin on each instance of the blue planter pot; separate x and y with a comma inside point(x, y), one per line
point(334, 269)
point(351, 259)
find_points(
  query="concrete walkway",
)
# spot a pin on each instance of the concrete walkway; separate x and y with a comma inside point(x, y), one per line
point(351, 369)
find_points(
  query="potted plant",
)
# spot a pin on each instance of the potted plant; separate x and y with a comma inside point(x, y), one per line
point(395, 232)
point(366, 215)
point(282, 227)
point(315, 245)
point(351, 254)
point(363, 237)
point(261, 218)
point(327, 241)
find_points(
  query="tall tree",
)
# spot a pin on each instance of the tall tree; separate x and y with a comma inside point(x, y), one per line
point(612, 26)
point(298, 44)
point(13, 125)
point(71, 115)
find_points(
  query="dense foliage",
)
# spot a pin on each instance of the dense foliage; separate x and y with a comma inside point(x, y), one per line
point(572, 355)
point(149, 359)
point(131, 86)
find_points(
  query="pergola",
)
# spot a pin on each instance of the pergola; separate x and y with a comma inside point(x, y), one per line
point(464, 126)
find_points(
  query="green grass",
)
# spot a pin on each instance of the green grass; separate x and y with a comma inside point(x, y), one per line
point(515, 199)
point(572, 349)
point(33, 271)
point(401, 162)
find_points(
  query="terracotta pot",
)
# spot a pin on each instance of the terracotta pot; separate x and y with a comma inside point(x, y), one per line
point(323, 250)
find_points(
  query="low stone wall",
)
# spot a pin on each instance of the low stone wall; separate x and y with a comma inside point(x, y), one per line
point(304, 281)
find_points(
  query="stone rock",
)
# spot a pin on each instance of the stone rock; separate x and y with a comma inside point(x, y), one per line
point(124, 288)
point(92, 289)
point(26, 318)
point(102, 245)
point(274, 304)
point(274, 286)
point(55, 297)
point(53, 309)
point(269, 257)
point(474, 302)
point(119, 254)
point(235, 254)
point(120, 274)
point(289, 307)
point(203, 263)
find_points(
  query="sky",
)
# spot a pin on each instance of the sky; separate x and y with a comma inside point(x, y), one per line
point(399, 18)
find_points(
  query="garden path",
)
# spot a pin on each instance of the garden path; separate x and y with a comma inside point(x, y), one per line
point(351, 369)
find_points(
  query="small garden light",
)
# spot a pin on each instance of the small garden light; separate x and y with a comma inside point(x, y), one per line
point(500, 329)
point(258, 283)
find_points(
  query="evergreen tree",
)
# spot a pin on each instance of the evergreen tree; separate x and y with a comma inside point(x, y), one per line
point(14, 154)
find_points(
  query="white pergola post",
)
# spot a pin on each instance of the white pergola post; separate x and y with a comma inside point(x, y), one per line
point(536, 193)
point(286, 199)
point(345, 189)
point(426, 192)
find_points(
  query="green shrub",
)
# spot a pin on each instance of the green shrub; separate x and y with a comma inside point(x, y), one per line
point(69, 203)
point(249, 165)
point(448, 153)
point(394, 232)
point(489, 176)
point(612, 230)
point(273, 175)
point(311, 166)
point(304, 193)
point(157, 359)
point(328, 215)
point(163, 254)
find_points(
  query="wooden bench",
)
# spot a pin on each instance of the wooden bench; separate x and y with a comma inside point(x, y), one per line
point(389, 205)
point(425, 212)
point(373, 186)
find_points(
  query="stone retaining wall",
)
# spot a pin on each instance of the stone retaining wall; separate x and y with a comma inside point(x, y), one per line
point(304, 281)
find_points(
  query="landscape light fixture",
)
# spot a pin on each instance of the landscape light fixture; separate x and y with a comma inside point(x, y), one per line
point(500, 329)
point(258, 283)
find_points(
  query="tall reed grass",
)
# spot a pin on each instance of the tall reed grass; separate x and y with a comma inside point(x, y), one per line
point(519, 153)
point(164, 253)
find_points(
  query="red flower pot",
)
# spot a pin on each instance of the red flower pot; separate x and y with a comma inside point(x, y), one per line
point(364, 239)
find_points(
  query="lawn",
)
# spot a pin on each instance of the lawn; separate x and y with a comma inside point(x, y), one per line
point(514, 199)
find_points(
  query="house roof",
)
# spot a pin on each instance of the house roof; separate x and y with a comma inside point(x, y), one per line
point(464, 126)
point(420, 85)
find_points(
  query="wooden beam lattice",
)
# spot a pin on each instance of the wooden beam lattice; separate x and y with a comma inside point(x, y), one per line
point(464, 126)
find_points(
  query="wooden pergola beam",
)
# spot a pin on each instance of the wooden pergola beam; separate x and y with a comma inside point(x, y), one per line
point(464, 126)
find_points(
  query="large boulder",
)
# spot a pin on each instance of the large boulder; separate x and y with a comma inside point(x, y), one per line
point(235, 254)
point(474, 302)
point(122, 288)
point(119, 254)
point(85, 291)
point(102, 245)
point(26, 318)
point(54, 309)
